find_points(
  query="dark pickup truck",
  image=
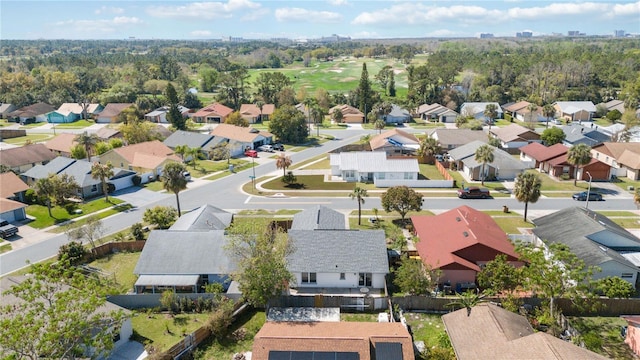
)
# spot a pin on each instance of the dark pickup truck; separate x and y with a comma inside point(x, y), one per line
point(7, 230)
point(473, 193)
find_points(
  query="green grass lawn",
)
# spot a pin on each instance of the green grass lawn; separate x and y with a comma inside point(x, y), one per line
point(510, 224)
point(624, 183)
point(5, 246)
point(627, 223)
point(120, 268)
point(80, 124)
point(60, 214)
point(320, 165)
point(549, 184)
point(308, 161)
point(430, 172)
point(100, 215)
point(251, 321)
point(267, 212)
point(602, 335)
point(32, 125)
point(206, 167)
point(34, 138)
point(154, 185)
point(426, 327)
point(152, 328)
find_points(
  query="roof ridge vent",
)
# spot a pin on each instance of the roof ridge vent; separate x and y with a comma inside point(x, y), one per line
point(602, 248)
point(318, 217)
point(458, 219)
point(466, 234)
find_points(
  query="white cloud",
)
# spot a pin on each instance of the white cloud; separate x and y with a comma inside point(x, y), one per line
point(203, 10)
point(626, 9)
point(109, 10)
point(120, 20)
point(200, 33)
point(304, 15)
point(421, 14)
point(255, 15)
point(366, 35)
point(338, 2)
point(442, 33)
point(558, 9)
point(99, 26)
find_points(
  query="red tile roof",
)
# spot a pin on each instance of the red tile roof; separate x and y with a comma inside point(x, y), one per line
point(540, 152)
point(458, 238)
point(10, 184)
point(360, 337)
point(563, 160)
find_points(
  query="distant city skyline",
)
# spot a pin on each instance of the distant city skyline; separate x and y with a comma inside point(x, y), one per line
point(357, 19)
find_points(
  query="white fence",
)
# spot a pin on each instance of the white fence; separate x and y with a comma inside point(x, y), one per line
point(414, 183)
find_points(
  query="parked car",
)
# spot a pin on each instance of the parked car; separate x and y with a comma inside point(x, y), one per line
point(187, 175)
point(278, 146)
point(251, 153)
point(267, 148)
point(473, 192)
point(7, 230)
point(582, 196)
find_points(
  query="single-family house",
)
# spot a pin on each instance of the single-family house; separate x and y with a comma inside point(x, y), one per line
point(120, 333)
point(32, 113)
point(147, 159)
point(614, 105)
point(12, 190)
point(159, 115)
point(459, 242)
point(395, 142)
point(371, 166)
point(111, 112)
point(503, 167)
point(575, 110)
point(576, 133)
point(255, 114)
point(204, 218)
point(632, 336)
point(6, 109)
point(107, 133)
point(240, 138)
point(476, 109)
point(12, 187)
point(280, 340)
point(70, 112)
point(593, 238)
point(397, 115)
point(213, 113)
point(623, 157)
point(491, 332)
point(191, 139)
point(520, 111)
point(514, 136)
point(23, 158)
point(350, 114)
point(346, 259)
point(453, 138)
point(560, 167)
point(537, 156)
point(319, 217)
point(184, 261)
point(61, 144)
point(437, 113)
point(88, 186)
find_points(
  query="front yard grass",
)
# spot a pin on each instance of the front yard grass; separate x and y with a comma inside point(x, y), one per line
point(60, 214)
point(510, 224)
point(602, 335)
point(624, 183)
point(5, 246)
point(163, 330)
point(320, 165)
point(206, 167)
point(100, 215)
point(80, 124)
point(34, 138)
point(267, 212)
point(154, 185)
point(119, 268)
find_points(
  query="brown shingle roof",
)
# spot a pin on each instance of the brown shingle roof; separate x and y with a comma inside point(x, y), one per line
point(254, 110)
point(360, 337)
point(491, 332)
point(63, 142)
point(615, 149)
point(153, 148)
point(630, 159)
point(380, 140)
point(34, 110)
point(10, 184)
point(540, 152)
point(114, 109)
point(9, 205)
point(214, 109)
point(517, 106)
point(28, 154)
point(514, 132)
point(238, 133)
point(346, 110)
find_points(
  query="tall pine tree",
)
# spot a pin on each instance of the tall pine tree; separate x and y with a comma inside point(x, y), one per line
point(365, 94)
point(174, 116)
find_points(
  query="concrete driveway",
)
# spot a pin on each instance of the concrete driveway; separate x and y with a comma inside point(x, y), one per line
point(138, 196)
point(131, 350)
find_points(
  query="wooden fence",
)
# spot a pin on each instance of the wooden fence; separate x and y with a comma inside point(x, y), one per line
point(114, 247)
point(444, 172)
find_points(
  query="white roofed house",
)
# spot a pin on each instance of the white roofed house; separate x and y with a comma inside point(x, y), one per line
point(159, 115)
point(366, 166)
point(476, 109)
point(575, 110)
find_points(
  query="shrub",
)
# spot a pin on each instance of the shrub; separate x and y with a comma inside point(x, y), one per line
point(137, 231)
point(30, 197)
point(74, 251)
point(220, 321)
point(565, 176)
point(289, 178)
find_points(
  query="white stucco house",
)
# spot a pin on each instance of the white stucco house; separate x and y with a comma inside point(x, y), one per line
point(366, 166)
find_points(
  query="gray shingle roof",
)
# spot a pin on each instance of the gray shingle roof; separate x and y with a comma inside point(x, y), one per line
point(55, 166)
point(577, 228)
point(502, 159)
point(577, 134)
point(318, 217)
point(169, 252)
point(206, 217)
point(191, 139)
point(79, 169)
point(337, 251)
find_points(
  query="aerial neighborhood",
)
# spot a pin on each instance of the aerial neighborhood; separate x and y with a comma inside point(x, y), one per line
point(329, 199)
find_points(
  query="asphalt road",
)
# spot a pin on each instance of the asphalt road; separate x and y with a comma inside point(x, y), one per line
point(225, 193)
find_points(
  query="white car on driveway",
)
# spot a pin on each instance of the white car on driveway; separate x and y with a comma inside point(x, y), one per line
point(267, 148)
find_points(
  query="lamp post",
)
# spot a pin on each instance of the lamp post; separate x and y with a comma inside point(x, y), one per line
point(586, 206)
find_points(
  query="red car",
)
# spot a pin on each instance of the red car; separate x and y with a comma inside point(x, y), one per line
point(251, 153)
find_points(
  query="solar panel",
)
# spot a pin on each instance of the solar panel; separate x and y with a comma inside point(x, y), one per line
point(315, 355)
point(388, 351)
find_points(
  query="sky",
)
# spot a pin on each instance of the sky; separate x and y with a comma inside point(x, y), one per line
point(310, 19)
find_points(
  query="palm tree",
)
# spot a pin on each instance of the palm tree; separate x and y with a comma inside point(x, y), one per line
point(308, 103)
point(174, 180)
point(102, 172)
point(181, 150)
point(359, 194)
point(194, 152)
point(379, 125)
point(88, 142)
point(527, 189)
point(46, 188)
point(468, 300)
point(260, 105)
point(283, 162)
point(484, 155)
point(429, 147)
point(549, 111)
point(532, 108)
point(578, 156)
point(337, 116)
point(491, 112)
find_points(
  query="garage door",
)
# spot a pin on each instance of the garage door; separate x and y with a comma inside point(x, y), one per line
point(123, 182)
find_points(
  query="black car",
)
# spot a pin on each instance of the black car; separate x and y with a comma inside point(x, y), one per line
point(278, 147)
point(582, 196)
